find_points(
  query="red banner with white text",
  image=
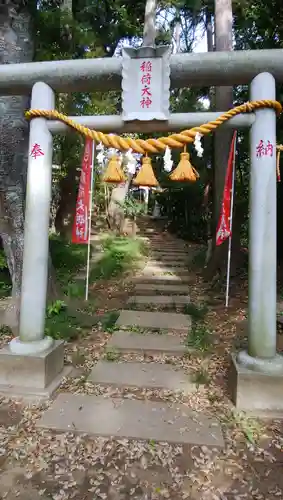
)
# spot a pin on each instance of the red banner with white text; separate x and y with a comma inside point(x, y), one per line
point(80, 226)
point(223, 231)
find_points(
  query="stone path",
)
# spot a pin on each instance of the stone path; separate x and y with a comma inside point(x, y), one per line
point(135, 419)
point(154, 320)
point(146, 333)
point(147, 343)
point(159, 300)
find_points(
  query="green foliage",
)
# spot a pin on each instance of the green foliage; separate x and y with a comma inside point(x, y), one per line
point(131, 207)
point(5, 330)
point(199, 337)
point(108, 321)
point(62, 326)
point(197, 311)
point(120, 254)
point(67, 258)
point(183, 205)
point(56, 308)
point(5, 281)
point(111, 354)
point(3, 261)
point(201, 377)
point(75, 289)
point(64, 323)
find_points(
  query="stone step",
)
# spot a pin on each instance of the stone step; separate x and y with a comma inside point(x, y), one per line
point(162, 300)
point(142, 375)
point(154, 320)
point(147, 343)
point(131, 419)
point(163, 269)
point(161, 247)
point(167, 263)
point(167, 288)
point(167, 243)
point(162, 278)
point(168, 255)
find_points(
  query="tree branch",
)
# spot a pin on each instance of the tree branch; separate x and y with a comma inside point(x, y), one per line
point(149, 30)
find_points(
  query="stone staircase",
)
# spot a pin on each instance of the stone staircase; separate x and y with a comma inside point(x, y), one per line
point(164, 282)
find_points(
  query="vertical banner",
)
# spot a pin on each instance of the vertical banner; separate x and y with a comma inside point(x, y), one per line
point(224, 227)
point(80, 232)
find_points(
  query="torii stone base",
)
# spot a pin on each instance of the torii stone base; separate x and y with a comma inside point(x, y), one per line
point(256, 392)
point(32, 377)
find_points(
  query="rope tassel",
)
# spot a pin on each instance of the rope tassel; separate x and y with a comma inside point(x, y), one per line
point(184, 171)
point(146, 176)
point(113, 173)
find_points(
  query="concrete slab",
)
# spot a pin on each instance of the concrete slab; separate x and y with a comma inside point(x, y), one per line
point(167, 246)
point(161, 268)
point(131, 419)
point(162, 300)
point(168, 250)
point(164, 278)
point(154, 320)
point(167, 263)
point(142, 375)
point(166, 288)
point(147, 343)
point(169, 257)
point(255, 392)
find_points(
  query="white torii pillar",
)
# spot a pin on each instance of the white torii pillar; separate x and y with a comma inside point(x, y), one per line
point(32, 365)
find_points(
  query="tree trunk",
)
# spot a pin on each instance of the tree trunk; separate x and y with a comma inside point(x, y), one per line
point(149, 31)
point(208, 188)
point(16, 46)
point(223, 100)
point(115, 213)
point(67, 204)
point(222, 138)
point(67, 185)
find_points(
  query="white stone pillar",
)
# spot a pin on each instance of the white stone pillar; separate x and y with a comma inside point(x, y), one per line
point(261, 355)
point(36, 242)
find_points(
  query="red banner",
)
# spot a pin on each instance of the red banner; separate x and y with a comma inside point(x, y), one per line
point(80, 227)
point(224, 228)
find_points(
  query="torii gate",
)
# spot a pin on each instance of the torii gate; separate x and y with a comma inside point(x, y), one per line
point(33, 363)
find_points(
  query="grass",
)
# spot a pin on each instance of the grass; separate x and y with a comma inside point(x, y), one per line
point(201, 377)
point(111, 354)
point(109, 320)
point(198, 261)
point(5, 281)
point(197, 312)
point(250, 427)
point(67, 258)
point(120, 254)
point(199, 337)
point(5, 330)
point(63, 323)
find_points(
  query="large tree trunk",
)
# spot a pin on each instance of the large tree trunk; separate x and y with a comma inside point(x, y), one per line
point(115, 213)
point(67, 204)
point(208, 188)
point(16, 45)
point(222, 139)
